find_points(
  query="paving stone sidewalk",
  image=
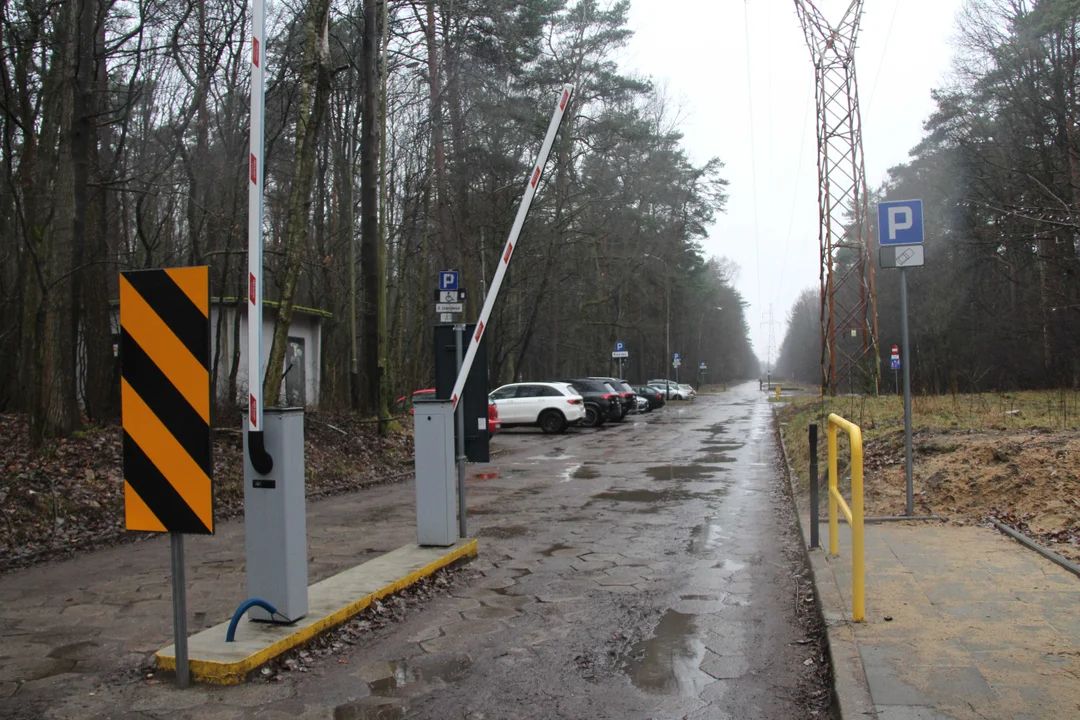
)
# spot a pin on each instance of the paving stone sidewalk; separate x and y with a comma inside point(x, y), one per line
point(961, 622)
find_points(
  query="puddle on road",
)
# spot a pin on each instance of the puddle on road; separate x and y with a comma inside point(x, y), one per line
point(715, 429)
point(722, 445)
point(386, 678)
point(667, 663)
point(585, 472)
point(680, 472)
point(705, 537)
point(645, 496)
point(711, 457)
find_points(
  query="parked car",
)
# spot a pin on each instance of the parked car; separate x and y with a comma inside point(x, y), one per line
point(624, 391)
point(653, 395)
point(551, 406)
point(688, 391)
point(602, 403)
point(670, 388)
point(494, 424)
point(406, 401)
point(643, 405)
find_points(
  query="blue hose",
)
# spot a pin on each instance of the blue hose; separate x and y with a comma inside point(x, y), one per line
point(230, 635)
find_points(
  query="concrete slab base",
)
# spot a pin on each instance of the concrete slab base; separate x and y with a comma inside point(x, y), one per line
point(331, 602)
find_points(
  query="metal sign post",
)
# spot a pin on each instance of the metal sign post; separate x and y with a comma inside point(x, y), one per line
point(459, 335)
point(900, 235)
point(619, 354)
point(908, 474)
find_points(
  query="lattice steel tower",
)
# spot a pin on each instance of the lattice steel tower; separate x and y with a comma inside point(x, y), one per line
point(849, 354)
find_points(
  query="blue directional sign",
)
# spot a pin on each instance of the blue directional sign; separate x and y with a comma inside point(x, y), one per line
point(703, 365)
point(619, 347)
point(900, 222)
point(448, 280)
point(895, 363)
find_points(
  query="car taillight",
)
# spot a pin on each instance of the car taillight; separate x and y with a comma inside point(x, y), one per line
point(609, 396)
point(626, 394)
point(574, 401)
point(659, 396)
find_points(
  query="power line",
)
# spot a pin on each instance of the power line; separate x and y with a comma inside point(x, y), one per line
point(884, 49)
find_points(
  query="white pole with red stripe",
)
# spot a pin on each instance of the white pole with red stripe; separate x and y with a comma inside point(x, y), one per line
point(256, 173)
point(260, 459)
point(511, 242)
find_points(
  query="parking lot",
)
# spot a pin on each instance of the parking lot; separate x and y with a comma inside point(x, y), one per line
point(642, 569)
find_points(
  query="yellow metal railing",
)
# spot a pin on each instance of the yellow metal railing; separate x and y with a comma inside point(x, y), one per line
point(854, 513)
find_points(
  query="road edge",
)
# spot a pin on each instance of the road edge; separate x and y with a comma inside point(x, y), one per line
point(851, 690)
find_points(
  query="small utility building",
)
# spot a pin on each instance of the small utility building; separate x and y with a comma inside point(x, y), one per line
point(301, 373)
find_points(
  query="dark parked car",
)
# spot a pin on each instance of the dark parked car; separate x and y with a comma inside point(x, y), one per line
point(655, 396)
point(626, 393)
point(601, 403)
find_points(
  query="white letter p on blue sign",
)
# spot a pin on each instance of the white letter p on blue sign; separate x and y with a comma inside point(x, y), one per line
point(895, 223)
point(900, 222)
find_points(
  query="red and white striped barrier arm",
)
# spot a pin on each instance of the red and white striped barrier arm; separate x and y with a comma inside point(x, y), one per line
point(256, 173)
point(511, 242)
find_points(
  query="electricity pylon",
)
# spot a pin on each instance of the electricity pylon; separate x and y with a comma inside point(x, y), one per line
point(848, 298)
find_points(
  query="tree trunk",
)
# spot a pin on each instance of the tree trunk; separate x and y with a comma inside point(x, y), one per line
point(371, 258)
point(315, 83)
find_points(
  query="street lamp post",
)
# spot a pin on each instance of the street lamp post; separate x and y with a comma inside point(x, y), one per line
point(667, 320)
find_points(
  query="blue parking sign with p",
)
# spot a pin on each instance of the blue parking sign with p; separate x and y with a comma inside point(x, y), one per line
point(900, 222)
point(448, 280)
point(619, 347)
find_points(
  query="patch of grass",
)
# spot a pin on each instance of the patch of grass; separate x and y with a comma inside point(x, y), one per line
point(882, 418)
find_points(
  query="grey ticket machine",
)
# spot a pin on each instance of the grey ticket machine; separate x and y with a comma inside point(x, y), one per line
point(436, 475)
point(274, 519)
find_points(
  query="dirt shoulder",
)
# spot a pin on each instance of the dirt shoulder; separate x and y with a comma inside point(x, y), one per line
point(1013, 458)
point(68, 496)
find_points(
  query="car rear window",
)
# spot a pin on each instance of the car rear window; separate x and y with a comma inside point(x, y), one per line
point(627, 388)
point(587, 385)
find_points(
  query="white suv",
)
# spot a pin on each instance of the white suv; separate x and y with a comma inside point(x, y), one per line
point(552, 406)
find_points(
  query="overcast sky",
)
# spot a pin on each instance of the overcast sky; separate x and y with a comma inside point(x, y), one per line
point(698, 49)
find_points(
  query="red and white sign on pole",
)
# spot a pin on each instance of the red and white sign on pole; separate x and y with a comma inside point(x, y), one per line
point(896, 351)
point(255, 215)
point(511, 243)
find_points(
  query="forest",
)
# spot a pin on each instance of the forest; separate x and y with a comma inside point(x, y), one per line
point(997, 305)
point(398, 136)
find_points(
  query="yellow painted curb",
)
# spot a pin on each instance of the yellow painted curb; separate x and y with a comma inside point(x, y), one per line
point(233, 673)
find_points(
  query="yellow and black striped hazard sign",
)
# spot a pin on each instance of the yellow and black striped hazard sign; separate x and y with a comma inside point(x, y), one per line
point(165, 395)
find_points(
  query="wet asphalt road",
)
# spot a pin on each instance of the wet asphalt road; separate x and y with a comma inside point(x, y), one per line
point(645, 570)
point(649, 569)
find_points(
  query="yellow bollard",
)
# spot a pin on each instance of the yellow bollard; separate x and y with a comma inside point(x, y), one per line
point(777, 392)
point(854, 513)
point(834, 520)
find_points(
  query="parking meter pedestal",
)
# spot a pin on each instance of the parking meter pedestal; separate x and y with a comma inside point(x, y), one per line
point(274, 519)
point(436, 476)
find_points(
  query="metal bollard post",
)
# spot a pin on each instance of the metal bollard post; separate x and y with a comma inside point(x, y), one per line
point(813, 488)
